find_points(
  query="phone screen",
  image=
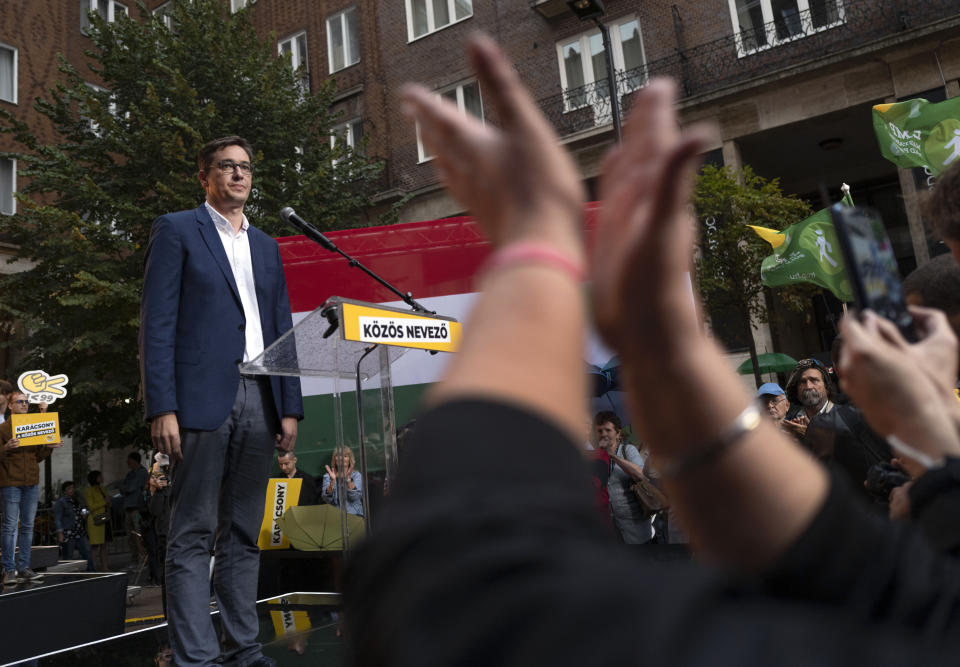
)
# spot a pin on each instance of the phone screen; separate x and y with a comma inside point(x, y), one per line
point(872, 265)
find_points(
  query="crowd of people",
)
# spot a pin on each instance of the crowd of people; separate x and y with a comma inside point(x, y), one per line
point(491, 549)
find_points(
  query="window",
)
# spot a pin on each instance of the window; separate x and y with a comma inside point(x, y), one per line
point(163, 11)
point(8, 185)
point(296, 48)
point(467, 98)
point(583, 66)
point(108, 10)
point(237, 5)
point(426, 16)
point(8, 73)
point(760, 24)
point(343, 41)
point(347, 134)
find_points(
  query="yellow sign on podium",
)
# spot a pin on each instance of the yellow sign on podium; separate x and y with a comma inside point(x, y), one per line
point(35, 429)
point(388, 326)
point(282, 493)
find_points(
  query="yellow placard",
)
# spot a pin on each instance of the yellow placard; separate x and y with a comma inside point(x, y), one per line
point(403, 329)
point(288, 622)
point(282, 494)
point(41, 428)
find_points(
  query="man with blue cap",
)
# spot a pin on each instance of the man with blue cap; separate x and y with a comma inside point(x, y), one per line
point(774, 399)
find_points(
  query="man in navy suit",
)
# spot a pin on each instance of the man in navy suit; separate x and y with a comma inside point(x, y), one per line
point(214, 295)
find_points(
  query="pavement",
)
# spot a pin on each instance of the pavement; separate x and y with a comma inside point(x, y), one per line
point(144, 607)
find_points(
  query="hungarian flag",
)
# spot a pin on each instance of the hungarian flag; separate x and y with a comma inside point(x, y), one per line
point(917, 133)
point(807, 252)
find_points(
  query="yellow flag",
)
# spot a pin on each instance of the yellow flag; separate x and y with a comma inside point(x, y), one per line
point(771, 236)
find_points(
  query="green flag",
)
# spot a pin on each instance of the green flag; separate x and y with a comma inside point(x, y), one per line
point(808, 252)
point(917, 133)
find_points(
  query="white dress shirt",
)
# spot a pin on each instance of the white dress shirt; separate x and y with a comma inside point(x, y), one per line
point(237, 247)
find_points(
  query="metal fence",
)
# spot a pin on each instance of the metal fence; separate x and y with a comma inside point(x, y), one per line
point(752, 53)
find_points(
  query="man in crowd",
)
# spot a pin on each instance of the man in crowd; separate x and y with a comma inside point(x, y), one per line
point(942, 209)
point(132, 488)
point(774, 400)
point(811, 387)
point(308, 488)
point(936, 284)
point(214, 296)
point(19, 485)
point(836, 433)
point(5, 390)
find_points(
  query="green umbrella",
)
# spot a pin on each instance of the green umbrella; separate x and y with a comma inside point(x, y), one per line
point(769, 362)
point(317, 528)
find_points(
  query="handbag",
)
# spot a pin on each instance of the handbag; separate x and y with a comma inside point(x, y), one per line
point(651, 498)
point(100, 519)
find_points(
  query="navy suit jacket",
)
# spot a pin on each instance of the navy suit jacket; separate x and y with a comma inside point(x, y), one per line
point(192, 321)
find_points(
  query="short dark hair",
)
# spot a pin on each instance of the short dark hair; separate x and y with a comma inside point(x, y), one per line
point(92, 477)
point(941, 207)
point(63, 487)
point(135, 456)
point(937, 283)
point(5, 387)
point(605, 416)
point(205, 156)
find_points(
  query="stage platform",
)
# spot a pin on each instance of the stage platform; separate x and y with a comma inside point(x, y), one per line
point(295, 629)
point(63, 609)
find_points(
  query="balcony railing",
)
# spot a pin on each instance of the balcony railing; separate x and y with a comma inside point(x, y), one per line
point(588, 106)
point(739, 58)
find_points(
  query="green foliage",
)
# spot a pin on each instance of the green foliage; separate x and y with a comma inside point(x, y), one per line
point(728, 264)
point(125, 154)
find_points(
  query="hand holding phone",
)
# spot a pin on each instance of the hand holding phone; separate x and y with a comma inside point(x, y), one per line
point(871, 265)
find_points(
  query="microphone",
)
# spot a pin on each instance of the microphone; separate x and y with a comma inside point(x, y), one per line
point(291, 218)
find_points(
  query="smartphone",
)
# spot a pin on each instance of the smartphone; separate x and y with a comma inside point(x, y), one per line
point(871, 265)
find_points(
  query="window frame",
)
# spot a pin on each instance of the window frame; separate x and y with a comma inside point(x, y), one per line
point(88, 6)
point(164, 12)
point(348, 132)
point(304, 58)
point(589, 77)
point(422, 156)
point(13, 188)
point(237, 5)
point(15, 74)
point(431, 19)
point(769, 26)
point(353, 49)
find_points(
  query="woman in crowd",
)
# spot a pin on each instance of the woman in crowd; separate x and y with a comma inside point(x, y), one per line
point(71, 526)
point(633, 523)
point(343, 465)
point(98, 521)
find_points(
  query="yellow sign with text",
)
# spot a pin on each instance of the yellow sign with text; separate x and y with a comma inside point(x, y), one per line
point(403, 329)
point(36, 429)
point(282, 494)
point(288, 622)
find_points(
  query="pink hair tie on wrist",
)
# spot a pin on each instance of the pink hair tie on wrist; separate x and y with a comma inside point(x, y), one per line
point(535, 252)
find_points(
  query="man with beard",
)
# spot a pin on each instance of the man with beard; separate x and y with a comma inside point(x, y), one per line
point(836, 433)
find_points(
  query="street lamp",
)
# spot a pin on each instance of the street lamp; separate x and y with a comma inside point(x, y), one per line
point(592, 10)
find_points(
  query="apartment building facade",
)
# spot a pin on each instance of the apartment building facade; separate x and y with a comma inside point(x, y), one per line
point(789, 83)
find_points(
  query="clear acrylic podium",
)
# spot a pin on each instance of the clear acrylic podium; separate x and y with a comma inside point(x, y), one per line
point(352, 345)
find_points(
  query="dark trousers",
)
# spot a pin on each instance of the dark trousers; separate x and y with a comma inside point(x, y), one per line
point(216, 502)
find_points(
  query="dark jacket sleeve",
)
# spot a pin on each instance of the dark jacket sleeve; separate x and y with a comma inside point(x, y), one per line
point(159, 309)
point(291, 402)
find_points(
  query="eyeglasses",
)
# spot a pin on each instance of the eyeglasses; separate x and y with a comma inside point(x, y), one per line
point(229, 165)
point(21, 402)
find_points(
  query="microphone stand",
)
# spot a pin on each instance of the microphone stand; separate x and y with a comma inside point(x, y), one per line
point(316, 235)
